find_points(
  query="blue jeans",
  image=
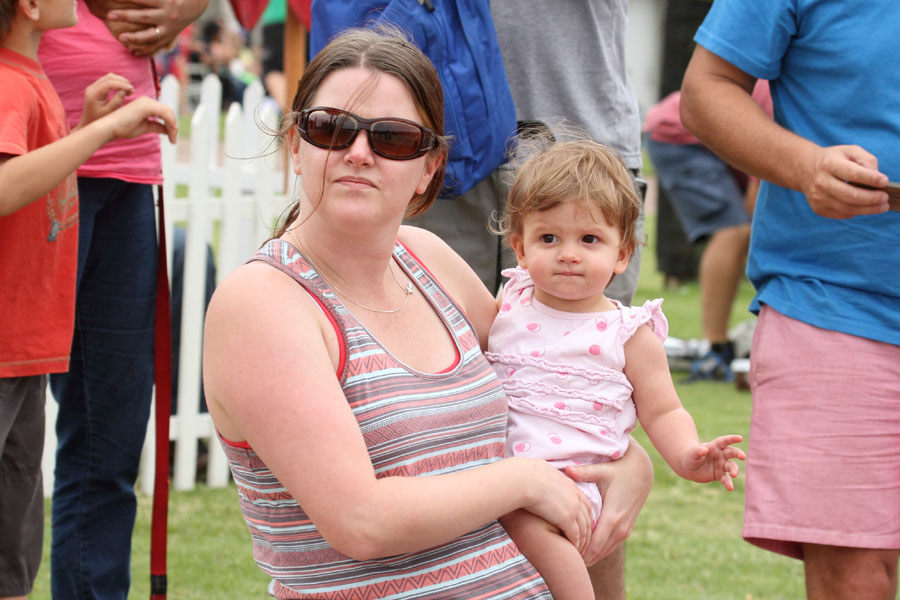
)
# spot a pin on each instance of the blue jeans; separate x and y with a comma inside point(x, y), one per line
point(104, 399)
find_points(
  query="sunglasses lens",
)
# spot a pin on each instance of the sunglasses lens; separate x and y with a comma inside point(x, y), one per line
point(330, 130)
point(391, 138)
point(396, 139)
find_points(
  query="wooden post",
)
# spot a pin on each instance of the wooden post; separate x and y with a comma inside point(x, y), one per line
point(294, 63)
point(294, 54)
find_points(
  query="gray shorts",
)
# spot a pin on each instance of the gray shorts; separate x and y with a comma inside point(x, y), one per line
point(21, 484)
point(703, 189)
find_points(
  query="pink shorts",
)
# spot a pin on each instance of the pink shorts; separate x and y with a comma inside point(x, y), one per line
point(823, 464)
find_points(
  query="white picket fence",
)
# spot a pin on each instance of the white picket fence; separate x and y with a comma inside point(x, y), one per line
point(238, 190)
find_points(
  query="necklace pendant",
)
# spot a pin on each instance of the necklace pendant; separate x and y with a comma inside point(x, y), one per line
point(409, 288)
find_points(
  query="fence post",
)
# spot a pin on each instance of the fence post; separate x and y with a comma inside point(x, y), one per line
point(267, 174)
point(193, 300)
point(211, 99)
point(48, 459)
point(229, 253)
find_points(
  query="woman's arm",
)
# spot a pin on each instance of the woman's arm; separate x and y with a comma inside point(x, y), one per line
point(269, 379)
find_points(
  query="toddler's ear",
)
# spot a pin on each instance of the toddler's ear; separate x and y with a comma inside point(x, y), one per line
point(625, 253)
point(518, 247)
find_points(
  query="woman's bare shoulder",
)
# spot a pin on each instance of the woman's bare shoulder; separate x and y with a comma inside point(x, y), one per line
point(264, 335)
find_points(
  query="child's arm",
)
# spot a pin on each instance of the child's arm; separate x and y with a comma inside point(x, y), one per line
point(669, 426)
point(25, 178)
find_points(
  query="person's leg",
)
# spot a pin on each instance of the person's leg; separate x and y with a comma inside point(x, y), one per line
point(21, 484)
point(608, 576)
point(710, 205)
point(104, 400)
point(837, 573)
point(625, 284)
point(721, 272)
point(823, 473)
point(554, 557)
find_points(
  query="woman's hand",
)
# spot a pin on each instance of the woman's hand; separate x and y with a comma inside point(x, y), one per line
point(557, 499)
point(147, 26)
point(624, 485)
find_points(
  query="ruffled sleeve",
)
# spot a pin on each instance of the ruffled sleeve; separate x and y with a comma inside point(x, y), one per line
point(649, 313)
point(519, 279)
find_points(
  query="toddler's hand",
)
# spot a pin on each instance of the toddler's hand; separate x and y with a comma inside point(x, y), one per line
point(712, 461)
point(97, 99)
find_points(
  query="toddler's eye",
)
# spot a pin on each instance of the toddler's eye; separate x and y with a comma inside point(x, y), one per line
point(590, 239)
point(548, 238)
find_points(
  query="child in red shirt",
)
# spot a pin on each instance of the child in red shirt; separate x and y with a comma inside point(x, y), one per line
point(38, 252)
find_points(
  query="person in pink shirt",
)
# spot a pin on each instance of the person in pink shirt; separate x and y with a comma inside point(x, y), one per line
point(104, 398)
point(714, 203)
point(578, 367)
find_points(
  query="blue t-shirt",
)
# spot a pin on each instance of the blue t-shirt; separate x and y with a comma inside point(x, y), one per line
point(835, 79)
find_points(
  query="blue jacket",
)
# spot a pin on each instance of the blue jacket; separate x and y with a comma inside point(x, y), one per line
point(460, 40)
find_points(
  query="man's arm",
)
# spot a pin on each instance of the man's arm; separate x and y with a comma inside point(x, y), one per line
point(717, 107)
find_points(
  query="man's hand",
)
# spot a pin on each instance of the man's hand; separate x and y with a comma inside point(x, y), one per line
point(830, 178)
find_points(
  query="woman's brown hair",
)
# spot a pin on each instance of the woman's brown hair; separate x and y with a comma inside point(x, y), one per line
point(384, 49)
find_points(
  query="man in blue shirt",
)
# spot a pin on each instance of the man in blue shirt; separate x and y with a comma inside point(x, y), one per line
point(822, 480)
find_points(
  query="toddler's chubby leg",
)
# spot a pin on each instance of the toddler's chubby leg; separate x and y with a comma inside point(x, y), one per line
point(555, 558)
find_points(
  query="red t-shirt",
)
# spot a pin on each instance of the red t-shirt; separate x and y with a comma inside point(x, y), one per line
point(39, 242)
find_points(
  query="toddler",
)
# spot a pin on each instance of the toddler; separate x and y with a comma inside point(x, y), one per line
point(576, 366)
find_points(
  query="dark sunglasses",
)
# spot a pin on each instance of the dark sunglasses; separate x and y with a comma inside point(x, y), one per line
point(335, 129)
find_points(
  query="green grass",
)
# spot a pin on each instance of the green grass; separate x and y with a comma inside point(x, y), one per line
point(686, 544)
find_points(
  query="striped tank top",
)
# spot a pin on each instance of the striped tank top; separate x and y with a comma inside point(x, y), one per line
point(414, 424)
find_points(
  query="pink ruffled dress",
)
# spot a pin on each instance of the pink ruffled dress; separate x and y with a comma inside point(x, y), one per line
point(563, 373)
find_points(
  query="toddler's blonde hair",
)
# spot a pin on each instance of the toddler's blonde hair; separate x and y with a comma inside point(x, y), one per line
point(582, 171)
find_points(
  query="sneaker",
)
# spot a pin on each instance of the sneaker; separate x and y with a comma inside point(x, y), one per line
point(682, 353)
point(712, 367)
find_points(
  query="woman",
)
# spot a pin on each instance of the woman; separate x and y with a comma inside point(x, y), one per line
point(334, 398)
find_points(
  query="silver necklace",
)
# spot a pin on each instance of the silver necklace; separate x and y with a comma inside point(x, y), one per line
point(408, 288)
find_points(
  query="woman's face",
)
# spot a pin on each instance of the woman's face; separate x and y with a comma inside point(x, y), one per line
point(355, 187)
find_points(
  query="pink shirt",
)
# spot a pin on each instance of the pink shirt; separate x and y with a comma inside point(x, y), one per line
point(663, 121)
point(75, 57)
point(563, 373)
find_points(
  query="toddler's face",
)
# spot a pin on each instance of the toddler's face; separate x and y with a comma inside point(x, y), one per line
point(571, 254)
